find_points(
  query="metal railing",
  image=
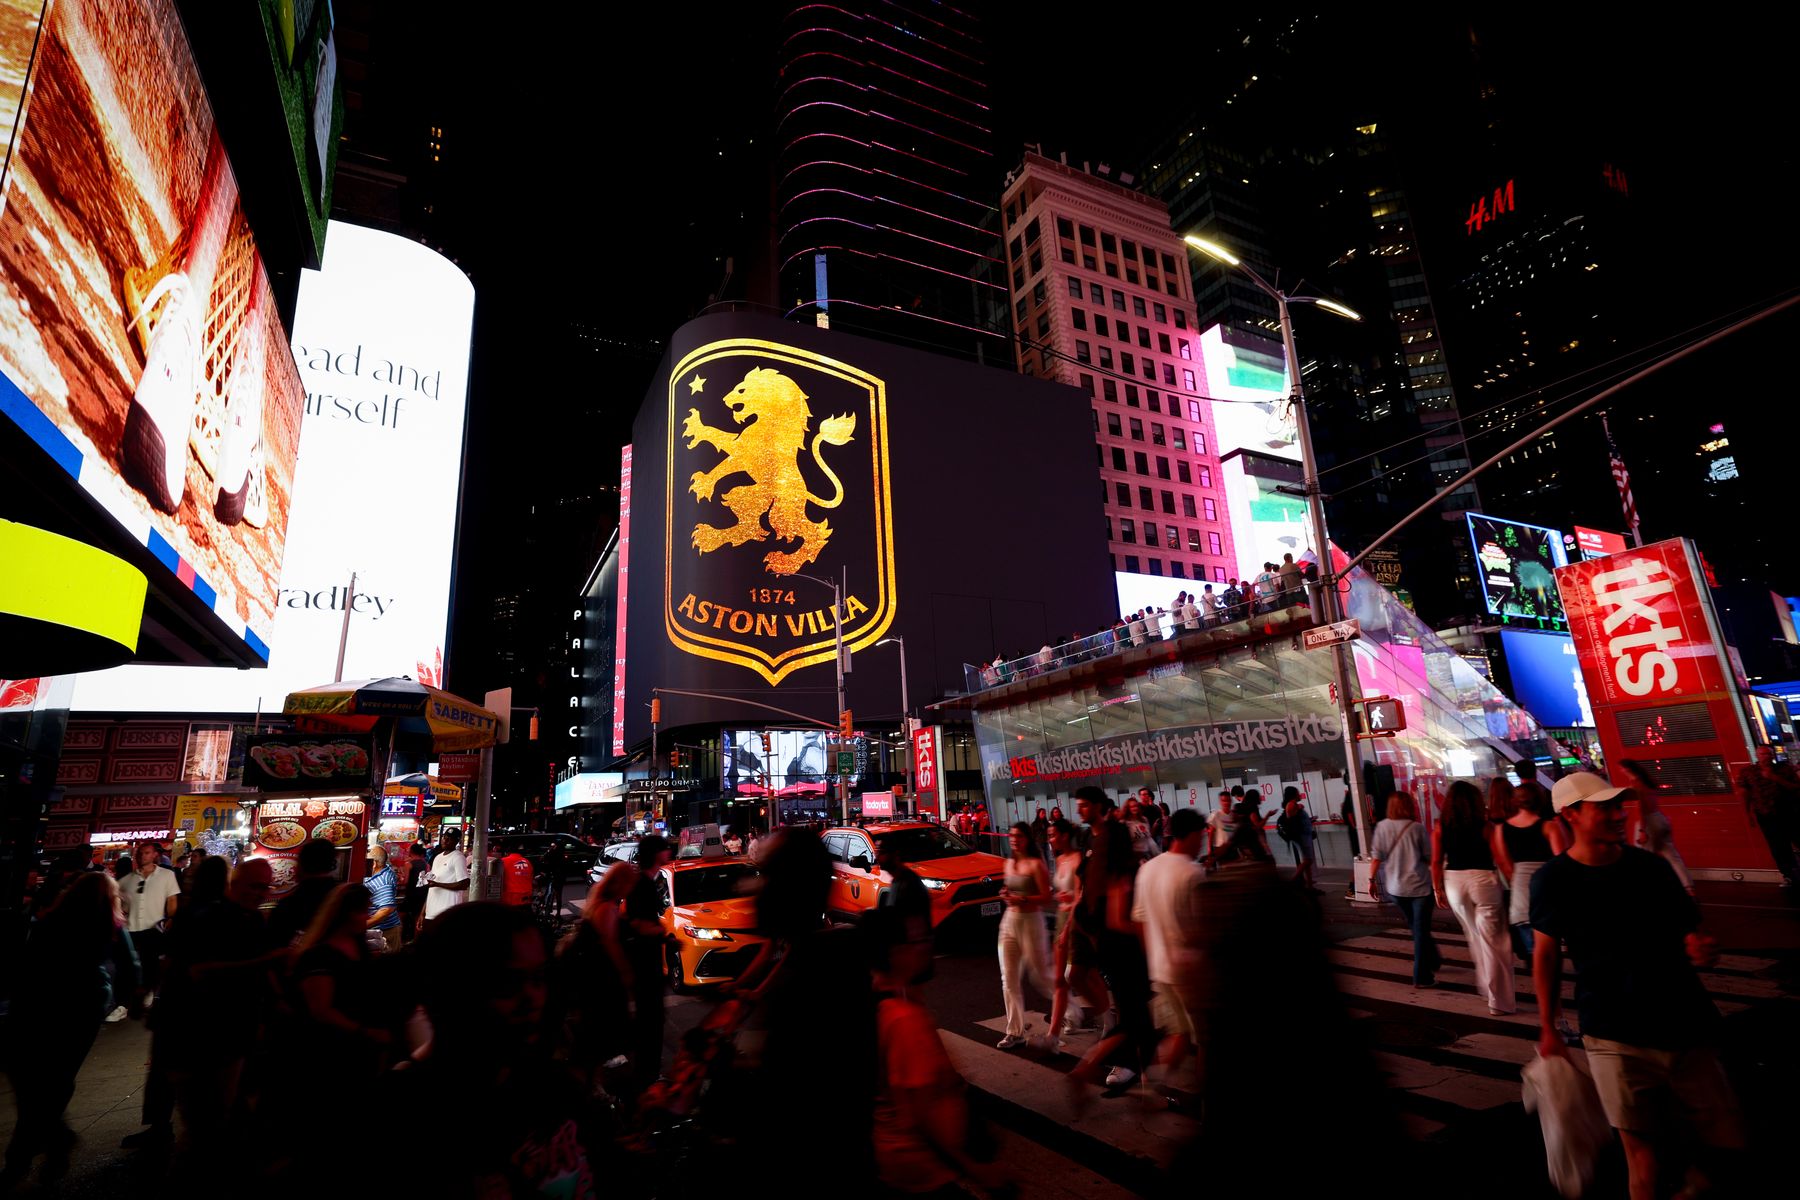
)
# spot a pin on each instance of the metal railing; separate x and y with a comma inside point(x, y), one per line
point(1154, 628)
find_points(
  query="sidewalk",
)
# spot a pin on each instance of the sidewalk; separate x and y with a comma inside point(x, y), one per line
point(109, 1095)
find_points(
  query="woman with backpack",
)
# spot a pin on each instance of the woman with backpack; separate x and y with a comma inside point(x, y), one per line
point(1295, 825)
point(1399, 866)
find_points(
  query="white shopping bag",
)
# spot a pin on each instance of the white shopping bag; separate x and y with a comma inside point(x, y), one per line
point(1574, 1124)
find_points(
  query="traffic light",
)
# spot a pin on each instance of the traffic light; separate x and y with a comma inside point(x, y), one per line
point(768, 744)
point(674, 758)
point(656, 710)
point(845, 724)
point(533, 735)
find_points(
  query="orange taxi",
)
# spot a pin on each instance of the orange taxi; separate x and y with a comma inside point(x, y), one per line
point(708, 909)
point(960, 878)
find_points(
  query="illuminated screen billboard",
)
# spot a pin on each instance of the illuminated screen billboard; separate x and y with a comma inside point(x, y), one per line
point(771, 459)
point(1546, 678)
point(382, 338)
point(799, 761)
point(1517, 565)
point(140, 346)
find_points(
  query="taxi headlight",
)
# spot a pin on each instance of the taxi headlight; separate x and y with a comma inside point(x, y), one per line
point(706, 935)
point(936, 885)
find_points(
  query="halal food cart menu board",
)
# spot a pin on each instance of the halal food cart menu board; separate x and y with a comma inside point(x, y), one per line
point(298, 763)
point(283, 826)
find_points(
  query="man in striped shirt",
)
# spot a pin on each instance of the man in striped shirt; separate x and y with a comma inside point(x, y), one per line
point(384, 910)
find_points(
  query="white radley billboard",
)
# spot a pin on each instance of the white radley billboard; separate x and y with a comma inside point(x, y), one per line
point(381, 337)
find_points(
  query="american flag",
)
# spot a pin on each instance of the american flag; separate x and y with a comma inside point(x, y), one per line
point(1622, 480)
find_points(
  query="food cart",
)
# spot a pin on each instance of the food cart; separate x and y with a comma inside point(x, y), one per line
point(309, 787)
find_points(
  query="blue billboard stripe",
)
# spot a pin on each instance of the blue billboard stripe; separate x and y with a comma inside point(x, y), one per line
point(163, 552)
point(38, 427)
point(256, 644)
point(208, 594)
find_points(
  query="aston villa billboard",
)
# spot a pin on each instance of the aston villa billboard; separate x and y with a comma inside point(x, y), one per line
point(957, 506)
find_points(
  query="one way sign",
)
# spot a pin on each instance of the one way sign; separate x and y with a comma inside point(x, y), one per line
point(1332, 634)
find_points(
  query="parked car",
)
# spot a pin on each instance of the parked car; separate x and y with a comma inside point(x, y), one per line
point(578, 856)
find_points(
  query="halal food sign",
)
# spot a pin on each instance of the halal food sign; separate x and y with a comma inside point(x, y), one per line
point(777, 470)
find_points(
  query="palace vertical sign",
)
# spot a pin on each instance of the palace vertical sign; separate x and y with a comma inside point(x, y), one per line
point(1657, 672)
point(619, 643)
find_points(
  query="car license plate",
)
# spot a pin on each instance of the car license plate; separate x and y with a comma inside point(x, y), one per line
point(992, 908)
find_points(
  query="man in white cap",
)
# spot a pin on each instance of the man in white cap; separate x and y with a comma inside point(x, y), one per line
point(1646, 1021)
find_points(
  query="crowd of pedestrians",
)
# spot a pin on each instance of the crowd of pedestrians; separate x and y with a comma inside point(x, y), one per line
point(1277, 586)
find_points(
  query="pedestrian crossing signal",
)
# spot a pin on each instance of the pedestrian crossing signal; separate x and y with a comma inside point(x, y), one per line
point(1382, 716)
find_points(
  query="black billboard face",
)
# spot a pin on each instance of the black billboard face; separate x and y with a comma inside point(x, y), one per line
point(777, 471)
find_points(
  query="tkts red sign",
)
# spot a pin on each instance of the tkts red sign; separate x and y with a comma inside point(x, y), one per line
point(1640, 626)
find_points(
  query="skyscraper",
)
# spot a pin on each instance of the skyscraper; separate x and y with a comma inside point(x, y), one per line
point(1102, 300)
point(885, 174)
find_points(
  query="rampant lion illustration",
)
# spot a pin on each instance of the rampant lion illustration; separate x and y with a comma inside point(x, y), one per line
point(768, 451)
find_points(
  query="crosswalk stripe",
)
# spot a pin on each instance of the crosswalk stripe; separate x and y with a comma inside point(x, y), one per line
point(1465, 1089)
point(1736, 963)
point(1457, 952)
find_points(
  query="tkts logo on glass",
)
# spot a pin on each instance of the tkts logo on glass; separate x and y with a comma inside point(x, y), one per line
point(777, 485)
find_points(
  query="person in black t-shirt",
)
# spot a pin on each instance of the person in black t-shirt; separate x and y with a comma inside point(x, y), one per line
point(644, 941)
point(1646, 1022)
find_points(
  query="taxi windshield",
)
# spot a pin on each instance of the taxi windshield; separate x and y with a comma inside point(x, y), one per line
point(922, 845)
point(702, 885)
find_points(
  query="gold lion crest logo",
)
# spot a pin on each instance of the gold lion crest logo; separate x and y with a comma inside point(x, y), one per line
point(775, 417)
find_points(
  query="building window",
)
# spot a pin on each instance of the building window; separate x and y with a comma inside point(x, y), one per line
point(1162, 342)
point(1087, 260)
point(1211, 507)
point(1112, 269)
point(1218, 572)
point(1182, 473)
point(1131, 563)
point(1168, 265)
point(1146, 499)
point(1155, 399)
point(1131, 394)
point(1186, 350)
point(1112, 423)
point(1162, 314)
point(1180, 437)
point(1168, 503)
point(1107, 243)
point(1074, 287)
point(1019, 308)
point(1015, 249)
point(1137, 430)
point(1137, 307)
point(1012, 214)
point(1141, 461)
point(1162, 467)
point(1122, 490)
point(1124, 332)
point(1128, 530)
point(1068, 256)
point(1194, 540)
point(1130, 249)
point(1178, 568)
point(1087, 236)
point(1078, 318)
point(1118, 459)
point(1018, 279)
point(1187, 379)
point(1180, 319)
point(1106, 358)
point(1150, 536)
point(1111, 390)
point(1087, 384)
point(1194, 411)
point(1187, 508)
point(1032, 231)
point(1153, 283)
point(1037, 261)
point(1156, 566)
point(1149, 370)
point(1100, 325)
point(1065, 228)
point(1159, 436)
point(1127, 364)
point(1118, 299)
point(1212, 544)
point(1169, 374)
point(1097, 294)
point(1038, 295)
point(1200, 444)
point(1205, 474)
point(1131, 276)
point(1143, 337)
point(1043, 324)
point(1083, 352)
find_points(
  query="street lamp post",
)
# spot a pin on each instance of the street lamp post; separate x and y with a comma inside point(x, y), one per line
point(905, 713)
point(837, 625)
point(1325, 594)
